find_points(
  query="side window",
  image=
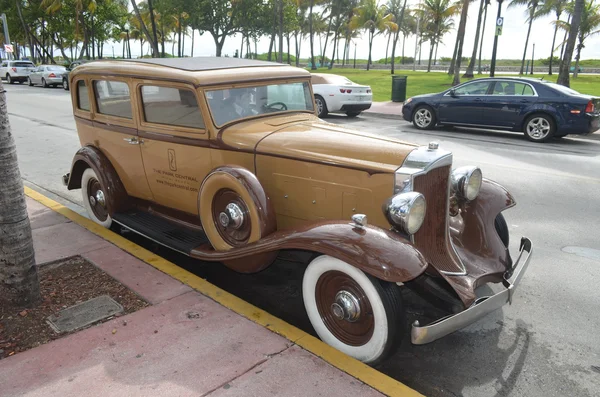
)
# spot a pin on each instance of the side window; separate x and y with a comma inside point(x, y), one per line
point(171, 106)
point(509, 88)
point(4, 64)
point(83, 100)
point(112, 98)
point(476, 88)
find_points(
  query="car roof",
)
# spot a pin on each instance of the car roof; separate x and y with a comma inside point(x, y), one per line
point(197, 70)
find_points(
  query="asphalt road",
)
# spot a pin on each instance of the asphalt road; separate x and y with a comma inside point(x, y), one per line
point(546, 344)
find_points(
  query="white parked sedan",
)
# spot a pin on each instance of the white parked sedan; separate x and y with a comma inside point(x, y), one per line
point(47, 75)
point(337, 94)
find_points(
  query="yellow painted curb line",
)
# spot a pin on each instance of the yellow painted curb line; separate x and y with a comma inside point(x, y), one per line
point(351, 366)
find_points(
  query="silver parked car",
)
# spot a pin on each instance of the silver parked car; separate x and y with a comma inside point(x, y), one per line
point(47, 75)
point(15, 70)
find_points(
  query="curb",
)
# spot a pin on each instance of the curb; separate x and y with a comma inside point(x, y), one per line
point(369, 376)
point(383, 115)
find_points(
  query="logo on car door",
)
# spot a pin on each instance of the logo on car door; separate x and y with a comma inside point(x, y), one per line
point(172, 161)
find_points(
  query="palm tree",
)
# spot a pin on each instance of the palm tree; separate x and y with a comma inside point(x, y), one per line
point(589, 26)
point(374, 19)
point(397, 8)
point(565, 63)
point(19, 285)
point(487, 3)
point(532, 6)
point(557, 7)
point(436, 13)
point(460, 40)
point(469, 72)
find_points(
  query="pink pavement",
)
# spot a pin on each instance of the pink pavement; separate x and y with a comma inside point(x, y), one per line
point(385, 109)
point(185, 344)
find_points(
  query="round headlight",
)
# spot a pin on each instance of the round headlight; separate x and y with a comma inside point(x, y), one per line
point(406, 211)
point(466, 182)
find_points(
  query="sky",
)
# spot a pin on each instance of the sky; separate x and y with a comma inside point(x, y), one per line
point(510, 45)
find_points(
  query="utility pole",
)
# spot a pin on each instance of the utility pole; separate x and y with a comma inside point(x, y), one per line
point(499, 23)
point(532, 57)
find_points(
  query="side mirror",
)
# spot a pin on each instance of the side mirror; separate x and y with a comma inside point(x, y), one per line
point(452, 93)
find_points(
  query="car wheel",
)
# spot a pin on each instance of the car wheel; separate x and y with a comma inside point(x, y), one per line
point(95, 198)
point(65, 84)
point(44, 84)
point(321, 106)
point(9, 79)
point(539, 128)
point(29, 82)
point(424, 118)
point(357, 314)
point(502, 229)
point(353, 114)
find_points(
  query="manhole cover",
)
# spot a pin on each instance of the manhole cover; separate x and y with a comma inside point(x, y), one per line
point(585, 252)
point(84, 313)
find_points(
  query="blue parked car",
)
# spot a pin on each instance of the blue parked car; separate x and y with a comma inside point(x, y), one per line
point(540, 109)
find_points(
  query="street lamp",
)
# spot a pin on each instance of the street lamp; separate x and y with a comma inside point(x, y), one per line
point(499, 22)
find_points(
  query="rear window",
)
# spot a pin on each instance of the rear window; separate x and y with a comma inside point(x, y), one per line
point(23, 64)
point(171, 106)
point(562, 89)
point(112, 98)
point(339, 80)
point(83, 100)
point(56, 68)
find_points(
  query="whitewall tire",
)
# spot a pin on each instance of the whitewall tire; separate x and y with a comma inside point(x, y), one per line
point(351, 311)
point(95, 198)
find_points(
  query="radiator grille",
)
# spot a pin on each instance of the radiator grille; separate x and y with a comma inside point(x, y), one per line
point(433, 238)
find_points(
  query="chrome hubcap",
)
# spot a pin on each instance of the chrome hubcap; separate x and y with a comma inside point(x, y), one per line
point(100, 198)
point(319, 106)
point(92, 201)
point(423, 118)
point(346, 307)
point(233, 216)
point(538, 128)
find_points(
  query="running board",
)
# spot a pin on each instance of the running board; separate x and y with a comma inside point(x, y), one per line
point(161, 231)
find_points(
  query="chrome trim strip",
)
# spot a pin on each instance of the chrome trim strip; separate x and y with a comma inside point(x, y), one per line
point(428, 333)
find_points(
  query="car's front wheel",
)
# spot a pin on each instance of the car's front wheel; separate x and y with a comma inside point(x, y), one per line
point(357, 314)
point(9, 79)
point(95, 198)
point(65, 84)
point(539, 128)
point(29, 82)
point(44, 83)
point(321, 106)
point(424, 118)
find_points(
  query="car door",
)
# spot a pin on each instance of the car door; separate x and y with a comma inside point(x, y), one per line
point(34, 75)
point(463, 105)
point(175, 148)
point(509, 99)
point(116, 133)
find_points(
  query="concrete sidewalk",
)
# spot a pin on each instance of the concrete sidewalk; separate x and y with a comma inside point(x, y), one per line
point(184, 344)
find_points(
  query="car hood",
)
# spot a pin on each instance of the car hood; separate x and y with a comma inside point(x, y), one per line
point(427, 95)
point(310, 139)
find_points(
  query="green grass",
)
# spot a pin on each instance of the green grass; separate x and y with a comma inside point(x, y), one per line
point(424, 83)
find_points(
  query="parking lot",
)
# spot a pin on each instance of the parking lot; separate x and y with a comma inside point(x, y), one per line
point(546, 343)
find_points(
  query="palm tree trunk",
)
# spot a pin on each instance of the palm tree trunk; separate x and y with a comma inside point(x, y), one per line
point(387, 47)
point(461, 37)
point(481, 42)
point(19, 284)
point(143, 25)
point(310, 28)
point(437, 45)
point(403, 42)
point(430, 55)
point(563, 75)
point(471, 67)
point(297, 49)
point(371, 35)
point(280, 23)
point(576, 71)
point(531, 13)
point(288, 49)
point(335, 41)
point(453, 61)
point(179, 48)
point(562, 46)
point(553, 43)
point(326, 38)
point(193, 32)
point(154, 41)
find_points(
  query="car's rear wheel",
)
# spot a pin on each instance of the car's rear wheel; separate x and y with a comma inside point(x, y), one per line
point(321, 106)
point(502, 229)
point(44, 83)
point(65, 84)
point(539, 128)
point(95, 198)
point(351, 311)
point(29, 82)
point(353, 114)
point(424, 118)
point(9, 79)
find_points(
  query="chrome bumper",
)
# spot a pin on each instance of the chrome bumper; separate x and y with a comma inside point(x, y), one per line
point(481, 307)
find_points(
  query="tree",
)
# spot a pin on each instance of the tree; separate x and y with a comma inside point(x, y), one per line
point(144, 29)
point(557, 7)
point(461, 38)
point(435, 14)
point(374, 19)
point(487, 3)
point(531, 12)
point(19, 284)
point(565, 65)
point(398, 12)
point(220, 18)
point(471, 67)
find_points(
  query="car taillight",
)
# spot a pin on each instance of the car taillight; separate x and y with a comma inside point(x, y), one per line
point(590, 107)
point(51, 75)
point(345, 91)
point(368, 91)
point(14, 69)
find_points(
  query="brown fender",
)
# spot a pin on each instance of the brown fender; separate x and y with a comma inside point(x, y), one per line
point(91, 157)
point(381, 253)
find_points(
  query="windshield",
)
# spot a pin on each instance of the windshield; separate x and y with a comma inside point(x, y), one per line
point(56, 68)
point(562, 89)
point(237, 103)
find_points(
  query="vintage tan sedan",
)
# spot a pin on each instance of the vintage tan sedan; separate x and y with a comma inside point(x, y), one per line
point(225, 160)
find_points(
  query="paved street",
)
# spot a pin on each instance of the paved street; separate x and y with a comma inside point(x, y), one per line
point(546, 344)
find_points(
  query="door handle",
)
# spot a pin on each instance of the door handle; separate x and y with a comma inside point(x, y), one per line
point(133, 141)
point(477, 99)
point(524, 101)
